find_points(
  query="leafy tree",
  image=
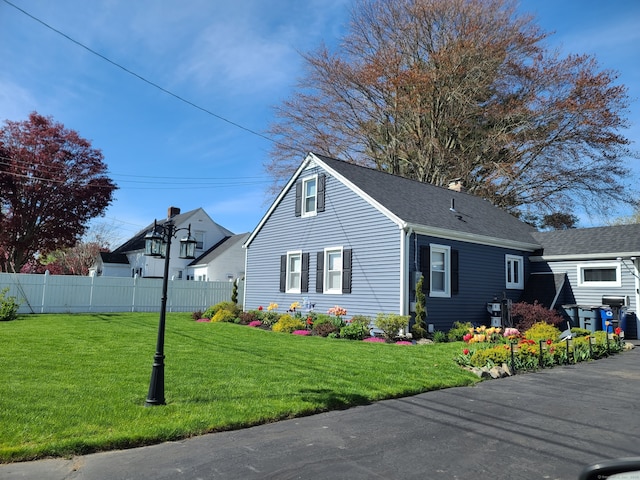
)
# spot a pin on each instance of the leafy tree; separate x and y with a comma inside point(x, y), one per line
point(441, 89)
point(52, 182)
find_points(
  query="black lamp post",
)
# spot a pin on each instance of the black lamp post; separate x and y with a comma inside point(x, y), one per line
point(158, 244)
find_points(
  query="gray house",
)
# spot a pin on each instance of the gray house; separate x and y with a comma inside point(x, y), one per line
point(341, 234)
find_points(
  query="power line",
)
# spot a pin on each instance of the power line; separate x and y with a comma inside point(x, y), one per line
point(140, 77)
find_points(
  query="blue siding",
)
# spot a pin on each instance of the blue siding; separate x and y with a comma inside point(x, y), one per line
point(481, 278)
point(349, 222)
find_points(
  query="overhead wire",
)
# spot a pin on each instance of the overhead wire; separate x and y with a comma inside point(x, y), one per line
point(144, 79)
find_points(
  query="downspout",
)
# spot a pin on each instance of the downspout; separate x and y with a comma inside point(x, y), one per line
point(405, 237)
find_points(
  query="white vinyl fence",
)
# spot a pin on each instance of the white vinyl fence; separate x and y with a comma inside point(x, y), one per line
point(73, 294)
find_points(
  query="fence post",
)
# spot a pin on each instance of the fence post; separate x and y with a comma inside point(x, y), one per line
point(44, 289)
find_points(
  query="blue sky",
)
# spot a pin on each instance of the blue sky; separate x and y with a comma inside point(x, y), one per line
point(235, 59)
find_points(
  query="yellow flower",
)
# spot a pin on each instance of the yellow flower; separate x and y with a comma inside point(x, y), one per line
point(272, 306)
point(294, 305)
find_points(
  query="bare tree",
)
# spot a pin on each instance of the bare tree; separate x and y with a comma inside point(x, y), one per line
point(441, 89)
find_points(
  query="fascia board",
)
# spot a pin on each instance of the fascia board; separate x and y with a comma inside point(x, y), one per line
point(584, 256)
point(474, 238)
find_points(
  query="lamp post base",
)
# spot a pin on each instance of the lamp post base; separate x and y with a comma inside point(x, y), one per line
point(156, 386)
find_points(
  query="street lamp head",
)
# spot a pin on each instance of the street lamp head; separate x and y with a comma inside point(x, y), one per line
point(188, 246)
point(154, 244)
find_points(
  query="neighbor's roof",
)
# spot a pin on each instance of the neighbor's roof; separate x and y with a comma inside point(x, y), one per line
point(137, 241)
point(436, 209)
point(113, 257)
point(219, 248)
point(614, 241)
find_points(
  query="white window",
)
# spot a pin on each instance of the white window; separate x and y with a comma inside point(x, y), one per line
point(309, 195)
point(333, 270)
point(514, 271)
point(199, 236)
point(599, 275)
point(294, 271)
point(440, 284)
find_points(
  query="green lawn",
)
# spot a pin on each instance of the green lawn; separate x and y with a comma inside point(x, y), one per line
point(74, 384)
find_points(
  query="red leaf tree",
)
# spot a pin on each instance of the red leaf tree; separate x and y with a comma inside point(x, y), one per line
point(52, 182)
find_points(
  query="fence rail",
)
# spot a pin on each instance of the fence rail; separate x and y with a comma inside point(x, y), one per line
point(73, 294)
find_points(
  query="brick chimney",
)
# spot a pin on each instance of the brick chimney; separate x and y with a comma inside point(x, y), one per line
point(173, 211)
point(457, 185)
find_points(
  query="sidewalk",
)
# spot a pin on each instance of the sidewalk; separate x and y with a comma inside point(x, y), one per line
point(544, 425)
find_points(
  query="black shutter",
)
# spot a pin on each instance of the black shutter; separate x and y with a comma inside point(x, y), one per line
point(304, 280)
point(425, 267)
point(320, 273)
point(298, 199)
point(322, 179)
point(455, 271)
point(283, 273)
point(346, 270)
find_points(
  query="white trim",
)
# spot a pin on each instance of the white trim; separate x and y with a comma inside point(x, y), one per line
point(446, 250)
point(584, 256)
point(303, 199)
point(288, 288)
point(405, 238)
point(601, 265)
point(511, 285)
point(325, 273)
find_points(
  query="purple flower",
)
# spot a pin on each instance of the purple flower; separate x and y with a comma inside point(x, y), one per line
point(301, 332)
point(255, 323)
point(374, 340)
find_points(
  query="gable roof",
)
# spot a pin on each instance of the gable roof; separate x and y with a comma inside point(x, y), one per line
point(422, 207)
point(113, 257)
point(435, 210)
point(597, 242)
point(137, 241)
point(219, 248)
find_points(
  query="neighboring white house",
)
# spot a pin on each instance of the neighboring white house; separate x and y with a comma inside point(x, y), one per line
point(222, 262)
point(129, 259)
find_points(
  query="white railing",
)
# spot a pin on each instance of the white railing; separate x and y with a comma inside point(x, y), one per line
point(73, 294)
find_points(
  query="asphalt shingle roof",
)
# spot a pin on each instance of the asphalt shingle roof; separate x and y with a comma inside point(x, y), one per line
point(427, 205)
point(613, 240)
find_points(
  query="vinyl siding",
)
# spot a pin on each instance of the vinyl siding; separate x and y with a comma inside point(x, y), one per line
point(349, 222)
point(586, 295)
point(481, 278)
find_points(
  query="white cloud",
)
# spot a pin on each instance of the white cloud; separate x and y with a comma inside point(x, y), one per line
point(16, 102)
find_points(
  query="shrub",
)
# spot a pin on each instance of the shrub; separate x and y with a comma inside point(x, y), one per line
point(288, 324)
point(542, 331)
point(525, 315)
point(229, 306)
point(439, 337)
point(269, 318)
point(391, 323)
point(361, 320)
point(247, 317)
point(580, 332)
point(197, 315)
point(459, 330)
point(354, 331)
point(324, 329)
point(490, 356)
point(223, 315)
point(8, 306)
point(419, 328)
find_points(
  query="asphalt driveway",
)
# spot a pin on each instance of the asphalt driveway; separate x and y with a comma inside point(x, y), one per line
point(544, 425)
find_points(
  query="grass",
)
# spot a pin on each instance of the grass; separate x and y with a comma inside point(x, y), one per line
point(75, 384)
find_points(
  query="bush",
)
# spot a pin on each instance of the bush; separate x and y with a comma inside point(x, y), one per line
point(439, 337)
point(247, 317)
point(524, 315)
point(361, 320)
point(419, 328)
point(459, 330)
point(490, 356)
point(325, 329)
point(580, 332)
point(8, 306)
point(391, 323)
point(542, 331)
point(287, 324)
point(223, 315)
point(270, 318)
point(229, 306)
point(354, 331)
point(197, 315)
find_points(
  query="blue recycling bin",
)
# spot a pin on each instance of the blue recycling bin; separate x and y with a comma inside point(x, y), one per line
point(606, 314)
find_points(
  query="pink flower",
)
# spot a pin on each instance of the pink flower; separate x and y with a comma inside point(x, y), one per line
point(403, 342)
point(467, 337)
point(255, 323)
point(203, 320)
point(374, 340)
point(465, 351)
point(301, 332)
